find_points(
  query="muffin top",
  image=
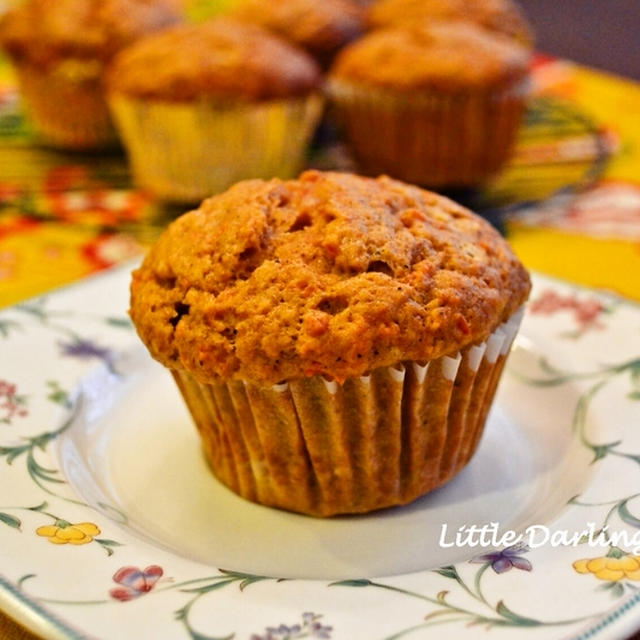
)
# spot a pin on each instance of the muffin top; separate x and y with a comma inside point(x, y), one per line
point(501, 16)
point(44, 32)
point(319, 27)
point(221, 58)
point(331, 274)
point(447, 56)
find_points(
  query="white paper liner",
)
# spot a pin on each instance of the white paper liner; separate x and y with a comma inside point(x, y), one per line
point(431, 138)
point(66, 105)
point(187, 152)
point(322, 448)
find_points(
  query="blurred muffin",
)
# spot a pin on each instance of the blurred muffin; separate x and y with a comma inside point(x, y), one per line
point(60, 50)
point(501, 16)
point(238, 102)
point(445, 101)
point(337, 339)
point(321, 28)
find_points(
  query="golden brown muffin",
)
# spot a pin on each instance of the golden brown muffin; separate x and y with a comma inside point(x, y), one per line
point(445, 100)
point(239, 102)
point(221, 59)
point(321, 28)
point(502, 16)
point(337, 338)
point(45, 33)
point(446, 56)
point(60, 50)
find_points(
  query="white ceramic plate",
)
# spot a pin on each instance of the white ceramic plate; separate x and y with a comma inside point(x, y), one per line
point(111, 525)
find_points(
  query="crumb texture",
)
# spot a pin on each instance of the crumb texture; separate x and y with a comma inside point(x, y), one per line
point(331, 274)
point(319, 27)
point(447, 56)
point(44, 32)
point(221, 58)
point(501, 16)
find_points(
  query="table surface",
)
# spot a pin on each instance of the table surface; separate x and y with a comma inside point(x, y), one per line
point(569, 202)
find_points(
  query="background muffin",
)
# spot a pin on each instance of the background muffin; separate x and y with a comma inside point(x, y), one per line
point(237, 102)
point(445, 101)
point(321, 28)
point(338, 339)
point(60, 51)
point(502, 16)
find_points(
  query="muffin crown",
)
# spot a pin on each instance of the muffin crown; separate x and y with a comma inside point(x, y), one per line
point(501, 16)
point(45, 31)
point(448, 56)
point(219, 58)
point(319, 27)
point(330, 274)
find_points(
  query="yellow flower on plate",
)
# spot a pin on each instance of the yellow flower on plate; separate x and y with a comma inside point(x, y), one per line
point(610, 568)
point(67, 533)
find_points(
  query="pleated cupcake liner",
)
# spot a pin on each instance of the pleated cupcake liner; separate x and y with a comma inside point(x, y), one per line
point(430, 138)
point(66, 105)
point(321, 448)
point(187, 152)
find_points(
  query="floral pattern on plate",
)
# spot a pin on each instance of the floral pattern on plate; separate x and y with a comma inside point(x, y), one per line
point(49, 344)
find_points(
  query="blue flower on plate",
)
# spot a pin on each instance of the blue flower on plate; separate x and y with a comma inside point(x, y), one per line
point(506, 559)
point(310, 628)
point(86, 350)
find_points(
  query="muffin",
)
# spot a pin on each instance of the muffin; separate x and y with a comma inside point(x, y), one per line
point(502, 16)
point(445, 101)
point(60, 51)
point(337, 339)
point(238, 102)
point(321, 28)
